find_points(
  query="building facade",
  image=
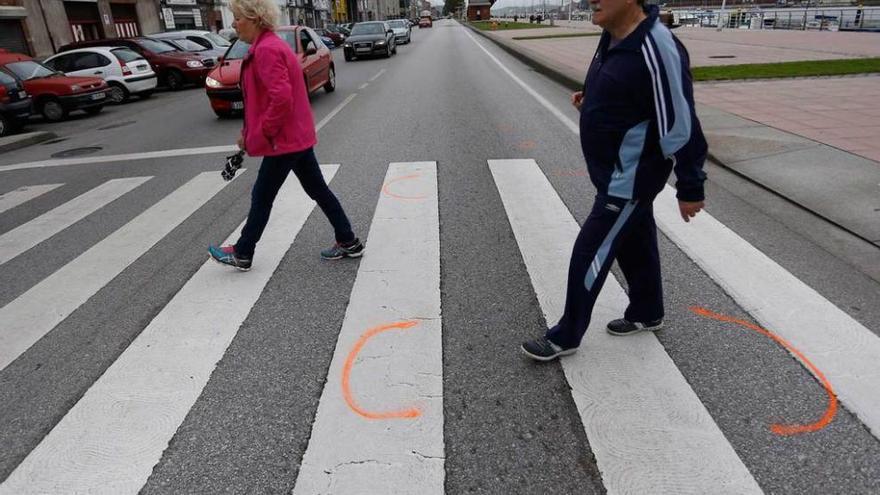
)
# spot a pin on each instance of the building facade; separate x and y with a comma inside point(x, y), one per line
point(40, 27)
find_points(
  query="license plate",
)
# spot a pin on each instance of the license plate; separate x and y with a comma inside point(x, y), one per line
point(99, 96)
point(237, 105)
point(363, 49)
point(22, 94)
point(141, 67)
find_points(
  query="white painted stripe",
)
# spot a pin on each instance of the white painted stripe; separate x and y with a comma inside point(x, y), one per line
point(655, 85)
point(363, 86)
point(111, 439)
point(398, 280)
point(28, 235)
point(378, 74)
point(33, 314)
point(335, 111)
point(647, 428)
point(543, 101)
point(846, 352)
point(21, 195)
point(59, 162)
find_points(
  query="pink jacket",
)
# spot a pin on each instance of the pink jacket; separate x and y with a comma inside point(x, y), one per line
point(277, 114)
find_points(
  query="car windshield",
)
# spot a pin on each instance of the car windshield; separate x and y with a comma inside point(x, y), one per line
point(156, 46)
point(361, 29)
point(398, 24)
point(217, 39)
point(30, 70)
point(238, 51)
point(126, 55)
point(190, 46)
point(289, 37)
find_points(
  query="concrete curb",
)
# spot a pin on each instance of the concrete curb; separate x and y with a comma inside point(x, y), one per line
point(557, 74)
point(18, 141)
point(566, 79)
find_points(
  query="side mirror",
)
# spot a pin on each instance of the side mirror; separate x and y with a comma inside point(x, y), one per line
point(311, 49)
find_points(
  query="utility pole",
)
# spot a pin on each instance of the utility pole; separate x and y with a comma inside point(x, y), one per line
point(721, 14)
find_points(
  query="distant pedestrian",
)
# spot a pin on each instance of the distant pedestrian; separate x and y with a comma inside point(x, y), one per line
point(637, 124)
point(515, 19)
point(278, 125)
point(531, 18)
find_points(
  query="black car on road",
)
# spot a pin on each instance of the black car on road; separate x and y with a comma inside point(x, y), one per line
point(369, 39)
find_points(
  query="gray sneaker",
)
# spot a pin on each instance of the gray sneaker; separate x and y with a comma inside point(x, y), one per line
point(541, 349)
point(353, 249)
point(625, 327)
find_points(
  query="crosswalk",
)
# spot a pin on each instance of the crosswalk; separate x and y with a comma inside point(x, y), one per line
point(379, 424)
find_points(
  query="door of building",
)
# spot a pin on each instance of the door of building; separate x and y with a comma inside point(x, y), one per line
point(12, 36)
point(85, 21)
point(126, 20)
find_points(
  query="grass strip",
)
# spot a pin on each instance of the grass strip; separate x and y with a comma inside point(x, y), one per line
point(550, 36)
point(807, 68)
point(505, 26)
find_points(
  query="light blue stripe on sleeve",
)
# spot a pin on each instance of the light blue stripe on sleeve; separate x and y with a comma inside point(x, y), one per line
point(680, 133)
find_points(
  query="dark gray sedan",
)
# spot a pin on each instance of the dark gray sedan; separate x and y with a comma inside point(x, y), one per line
point(370, 39)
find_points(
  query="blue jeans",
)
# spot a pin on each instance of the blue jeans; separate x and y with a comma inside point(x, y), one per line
point(273, 172)
point(616, 229)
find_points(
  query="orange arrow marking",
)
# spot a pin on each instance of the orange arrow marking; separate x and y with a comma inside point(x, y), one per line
point(393, 195)
point(777, 428)
point(349, 363)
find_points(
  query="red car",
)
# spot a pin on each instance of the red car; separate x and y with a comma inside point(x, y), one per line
point(222, 84)
point(54, 94)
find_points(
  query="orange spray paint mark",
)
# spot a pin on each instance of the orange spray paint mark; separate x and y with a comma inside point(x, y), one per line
point(349, 363)
point(777, 428)
point(526, 145)
point(397, 196)
point(505, 127)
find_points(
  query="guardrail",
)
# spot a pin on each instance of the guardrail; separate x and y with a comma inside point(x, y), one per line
point(822, 19)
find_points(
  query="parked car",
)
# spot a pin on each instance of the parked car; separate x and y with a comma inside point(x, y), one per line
point(222, 84)
point(328, 42)
point(425, 21)
point(339, 28)
point(337, 38)
point(208, 56)
point(205, 38)
point(402, 31)
point(15, 104)
point(126, 72)
point(370, 38)
point(54, 94)
point(173, 67)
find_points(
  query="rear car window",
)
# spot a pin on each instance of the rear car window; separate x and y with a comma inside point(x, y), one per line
point(29, 70)
point(126, 55)
point(156, 46)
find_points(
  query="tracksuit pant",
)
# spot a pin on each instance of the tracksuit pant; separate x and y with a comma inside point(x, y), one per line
point(273, 171)
point(615, 229)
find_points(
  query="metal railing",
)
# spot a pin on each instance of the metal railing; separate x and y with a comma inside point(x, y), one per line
point(821, 18)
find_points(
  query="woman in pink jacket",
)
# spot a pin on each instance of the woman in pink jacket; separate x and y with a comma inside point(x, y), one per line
point(278, 126)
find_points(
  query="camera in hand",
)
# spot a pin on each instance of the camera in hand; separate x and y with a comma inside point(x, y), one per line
point(233, 163)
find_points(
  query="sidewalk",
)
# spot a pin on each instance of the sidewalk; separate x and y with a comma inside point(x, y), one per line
point(815, 141)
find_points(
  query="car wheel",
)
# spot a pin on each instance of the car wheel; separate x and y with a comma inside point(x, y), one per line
point(174, 80)
point(117, 94)
point(94, 110)
point(331, 81)
point(53, 111)
point(5, 125)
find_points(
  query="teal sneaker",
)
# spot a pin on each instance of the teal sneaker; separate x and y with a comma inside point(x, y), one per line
point(226, 255)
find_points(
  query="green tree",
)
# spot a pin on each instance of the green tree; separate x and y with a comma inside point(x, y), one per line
point(450, 6)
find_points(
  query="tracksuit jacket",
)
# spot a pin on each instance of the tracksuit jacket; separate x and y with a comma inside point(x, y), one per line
point(638, 120)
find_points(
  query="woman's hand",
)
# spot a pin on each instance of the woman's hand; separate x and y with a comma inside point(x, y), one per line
point(240, 142)
point(577, 99)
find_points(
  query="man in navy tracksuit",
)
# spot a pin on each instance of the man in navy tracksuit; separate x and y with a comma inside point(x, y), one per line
point(637, 124)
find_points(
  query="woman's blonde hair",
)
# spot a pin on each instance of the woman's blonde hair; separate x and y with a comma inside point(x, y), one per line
point(264, 12)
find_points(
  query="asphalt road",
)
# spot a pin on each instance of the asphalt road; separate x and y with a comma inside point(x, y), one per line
point(510, 426)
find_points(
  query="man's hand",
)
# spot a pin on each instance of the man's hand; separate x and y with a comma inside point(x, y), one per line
point(689, 209)
point(577, 99)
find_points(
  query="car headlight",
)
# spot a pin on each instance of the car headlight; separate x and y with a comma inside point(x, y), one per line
point(212, 83)
point(75, 88)
point(195, 64)
point(382, 42)
point(347, 45)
